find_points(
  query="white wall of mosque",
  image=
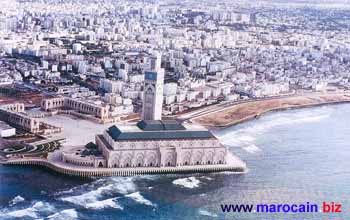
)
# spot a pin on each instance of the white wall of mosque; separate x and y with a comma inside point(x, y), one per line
point(162, 153)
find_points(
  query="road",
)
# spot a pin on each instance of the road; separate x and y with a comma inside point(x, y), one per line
point(222, 106)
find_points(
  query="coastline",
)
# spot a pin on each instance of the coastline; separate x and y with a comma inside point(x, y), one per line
point(242, 112)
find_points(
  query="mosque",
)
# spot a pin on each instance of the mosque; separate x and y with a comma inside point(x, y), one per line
point(153, 142)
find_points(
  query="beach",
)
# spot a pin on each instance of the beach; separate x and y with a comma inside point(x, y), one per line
point(241, 112)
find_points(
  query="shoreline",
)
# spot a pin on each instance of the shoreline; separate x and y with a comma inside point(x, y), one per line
point(243, 112)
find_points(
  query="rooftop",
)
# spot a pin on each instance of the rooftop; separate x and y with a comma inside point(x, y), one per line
point(155, 130)
point(160, 125)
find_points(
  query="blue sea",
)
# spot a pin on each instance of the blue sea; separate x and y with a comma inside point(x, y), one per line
point(294, 157)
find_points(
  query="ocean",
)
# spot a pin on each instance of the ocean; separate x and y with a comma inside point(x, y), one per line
point(293, 156)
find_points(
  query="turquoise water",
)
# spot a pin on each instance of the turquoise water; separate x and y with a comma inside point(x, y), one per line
point(294, 156)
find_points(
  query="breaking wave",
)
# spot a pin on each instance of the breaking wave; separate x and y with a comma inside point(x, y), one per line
point(32, 212)
point(64, 192)
point(245, 136)
point(252, 148)
point(28, 212)
point(68, 214)
point(189, 182)
point(107, 203)
point(207, 213)
point(89, 197)
point(206, 178)
point(16, 200)
point(136, 196)
point(92, 194)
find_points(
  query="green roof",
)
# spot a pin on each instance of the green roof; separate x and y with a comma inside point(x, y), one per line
point(160, 125)
point(164, 134)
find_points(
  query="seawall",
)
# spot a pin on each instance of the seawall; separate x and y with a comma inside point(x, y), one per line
point(98, 172)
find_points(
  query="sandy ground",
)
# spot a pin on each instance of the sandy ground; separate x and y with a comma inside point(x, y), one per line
point(241, 112)
point(29, 99)
point(75, 130)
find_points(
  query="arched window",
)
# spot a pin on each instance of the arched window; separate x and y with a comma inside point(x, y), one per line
point(168, 164)
point(139, 164)
point(127, 165)
point(209, 162)
point(186, 163)
point(197, 163)
point(100, 164)
point(151, 164)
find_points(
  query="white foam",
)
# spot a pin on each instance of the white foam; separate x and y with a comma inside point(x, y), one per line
point(89, 197)
point(207, 178)
point(16, 200)
point(65, 192)
point(31, 211)
point(123, 185)
point(107, 203)
point(189, 182)
point(252, 148)
point(43, 206)
point(226, 173)
point(68, 214)
point(245, 137)
point(146, 177)
point(238, 138)
point(207, 213)
point(115, 184)
point(136, 196)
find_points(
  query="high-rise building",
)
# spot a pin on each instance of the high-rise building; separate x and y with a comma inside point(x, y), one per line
point(153, 90)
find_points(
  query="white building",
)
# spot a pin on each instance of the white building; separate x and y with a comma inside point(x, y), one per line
point(159, 144)
point(97, 110)
point(6, 130)
point(111, 85)
point(170, 89)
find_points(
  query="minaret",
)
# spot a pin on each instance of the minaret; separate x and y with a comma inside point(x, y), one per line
point(153, 90)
